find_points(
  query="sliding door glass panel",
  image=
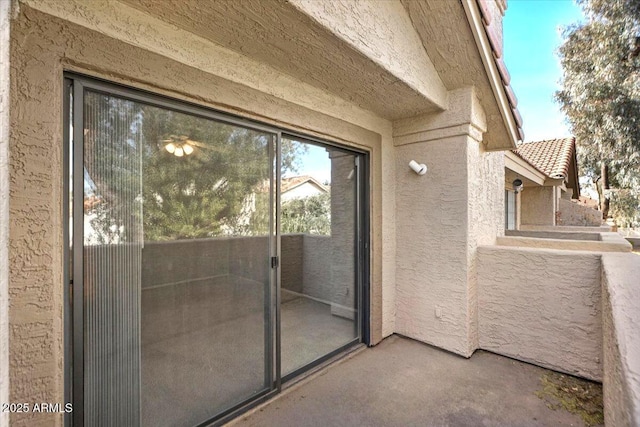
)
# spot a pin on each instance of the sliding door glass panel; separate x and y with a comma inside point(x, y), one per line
point(319, 309)
point(177, 244)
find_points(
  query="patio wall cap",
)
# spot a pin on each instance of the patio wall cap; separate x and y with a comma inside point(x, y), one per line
point(622, 273)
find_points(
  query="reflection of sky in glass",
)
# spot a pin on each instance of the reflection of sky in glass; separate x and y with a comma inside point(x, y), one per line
point(314, 162)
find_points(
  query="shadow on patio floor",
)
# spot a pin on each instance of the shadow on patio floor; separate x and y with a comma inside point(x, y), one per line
point(401, 382)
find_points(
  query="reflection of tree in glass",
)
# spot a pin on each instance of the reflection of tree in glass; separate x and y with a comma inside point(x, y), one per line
point(307, 215)
point(112, 169)
point(196, 195)
point(202, 194)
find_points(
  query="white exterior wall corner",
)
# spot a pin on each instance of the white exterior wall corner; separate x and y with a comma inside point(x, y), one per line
point(621, 347)
point(436, 297)
point(542, 306)
point(5, 20)
point(486, 218)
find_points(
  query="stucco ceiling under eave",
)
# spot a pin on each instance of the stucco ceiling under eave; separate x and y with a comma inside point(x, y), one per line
point(283, 36)
point(449, 42)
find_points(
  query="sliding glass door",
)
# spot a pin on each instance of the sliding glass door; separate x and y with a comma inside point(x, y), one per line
point(198, 282)
point(176, 235)
point(319, 238)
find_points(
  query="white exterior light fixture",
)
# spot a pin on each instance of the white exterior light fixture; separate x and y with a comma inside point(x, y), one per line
point(419, 168)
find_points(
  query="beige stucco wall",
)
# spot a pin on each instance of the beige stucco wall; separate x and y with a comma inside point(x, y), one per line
point(621, 320)
point(386, 36)
point(441, 218)
point(608, 245)
point(41, 48)
point(486, 219)
point(569, 228)
point(542, 306)
point(424, 237)
point(5, 10)
point(431, 249)
point(538, 206)
point(571, 213)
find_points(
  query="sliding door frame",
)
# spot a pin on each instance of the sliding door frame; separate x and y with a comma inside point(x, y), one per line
point(74, 87)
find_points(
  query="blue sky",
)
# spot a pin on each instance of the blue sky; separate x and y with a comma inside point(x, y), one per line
point(532, 35)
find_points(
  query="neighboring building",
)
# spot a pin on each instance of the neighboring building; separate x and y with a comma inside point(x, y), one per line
point(378, 84)
point(550, 187)
point(301, 187)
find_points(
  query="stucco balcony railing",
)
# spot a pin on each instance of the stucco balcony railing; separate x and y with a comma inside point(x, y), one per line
point(552, 299)
point(570, 303)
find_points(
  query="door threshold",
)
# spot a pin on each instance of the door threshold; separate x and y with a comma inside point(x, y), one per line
point(302, 379)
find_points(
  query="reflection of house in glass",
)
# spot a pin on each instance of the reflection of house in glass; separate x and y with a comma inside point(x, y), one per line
point(301, 187)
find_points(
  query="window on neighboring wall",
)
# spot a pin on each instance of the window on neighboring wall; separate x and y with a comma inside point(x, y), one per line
point(510, 209)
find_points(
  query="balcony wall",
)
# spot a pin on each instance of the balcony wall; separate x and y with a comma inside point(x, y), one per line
point(305, 262)
point(542, 306)
point(621, 317)
point(571, 213)
point(574, 311)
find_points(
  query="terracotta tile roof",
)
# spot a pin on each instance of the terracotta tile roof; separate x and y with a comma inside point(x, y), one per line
point(551, 157)
point(495, 41)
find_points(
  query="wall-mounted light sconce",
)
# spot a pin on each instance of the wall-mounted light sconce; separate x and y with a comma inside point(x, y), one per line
point(419, 168)
point(517, 185)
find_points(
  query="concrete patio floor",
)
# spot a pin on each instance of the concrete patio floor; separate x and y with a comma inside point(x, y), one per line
point(401, 382)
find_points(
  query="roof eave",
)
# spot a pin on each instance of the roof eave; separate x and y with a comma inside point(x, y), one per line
point(520, 166)
point(477, 28)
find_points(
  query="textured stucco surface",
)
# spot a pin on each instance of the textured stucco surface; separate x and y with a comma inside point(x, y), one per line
point(601, 229)
point(42, 47)
point(571, 213)
point(5, 10)
point(465, 116)
point(617, 245)
point(431, 261)
point(621, 323)
point(538, 206)
point(486, 219)
point(449, 43)
point(383, 32)
point(570, 235)
point(542, 306)
point(441, 219)
point(322, 43)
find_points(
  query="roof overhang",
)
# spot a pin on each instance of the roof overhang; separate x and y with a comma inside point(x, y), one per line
point(495, 80)
point(523, 168)
point(447, 33)
point(294, 41)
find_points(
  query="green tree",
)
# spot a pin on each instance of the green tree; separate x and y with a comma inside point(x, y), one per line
point(203, 193)
point(145, 191)
point(307, 215)
point(600, 96)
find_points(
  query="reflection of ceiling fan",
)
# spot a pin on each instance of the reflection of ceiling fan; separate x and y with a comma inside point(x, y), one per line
point(180, 145)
